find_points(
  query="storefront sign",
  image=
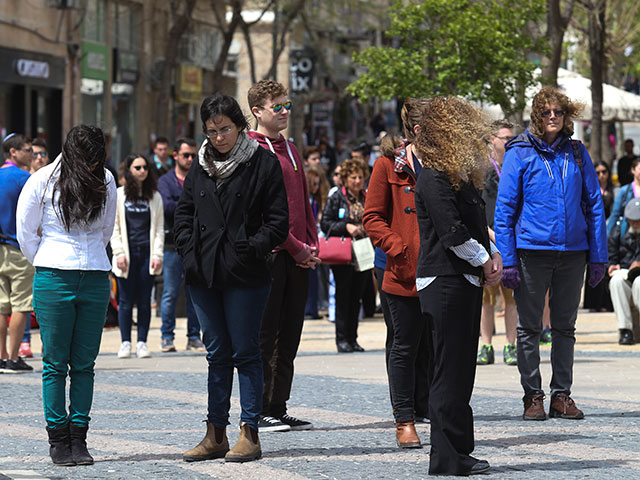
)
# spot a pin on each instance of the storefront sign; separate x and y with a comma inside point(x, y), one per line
point(22, 67)
point(189, 84)
point(95, 61)
point(126, 66)
point(32, 68)
point(302, 70)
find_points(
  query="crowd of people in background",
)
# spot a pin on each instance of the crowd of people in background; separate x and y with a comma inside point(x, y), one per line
point(452, 204)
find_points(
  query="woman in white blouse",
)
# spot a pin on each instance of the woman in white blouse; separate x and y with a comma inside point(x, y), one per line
point(137, 243)
point(65, 217)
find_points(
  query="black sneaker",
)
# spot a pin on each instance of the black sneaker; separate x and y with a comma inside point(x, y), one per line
point(271, 424)
point(3, 365)
point(17, 366)
point(295, 423)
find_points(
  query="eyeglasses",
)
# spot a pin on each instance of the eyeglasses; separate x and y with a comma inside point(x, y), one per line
point(277, 108)
point(505, 138)
point(601, 172)
point(40, 154)
point(212, 134)
point(141, 167)
point(191, 155)
point(557, 113)
point(28, 150)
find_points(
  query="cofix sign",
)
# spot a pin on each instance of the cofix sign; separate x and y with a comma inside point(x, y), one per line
point(32, 68)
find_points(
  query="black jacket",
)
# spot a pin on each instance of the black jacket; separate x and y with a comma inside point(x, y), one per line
point(332, 224)
point(446, 218)
point(623, 251)
point(490, 194)
point(251, 205)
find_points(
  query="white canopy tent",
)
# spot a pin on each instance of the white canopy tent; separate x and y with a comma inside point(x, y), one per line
point(618, 105)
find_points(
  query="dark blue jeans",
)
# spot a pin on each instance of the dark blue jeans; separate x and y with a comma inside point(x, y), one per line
point(173, 274)
point(230, 319)
point(135, 290)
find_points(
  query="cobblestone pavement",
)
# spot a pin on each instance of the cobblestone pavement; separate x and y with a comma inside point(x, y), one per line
point(148, 411)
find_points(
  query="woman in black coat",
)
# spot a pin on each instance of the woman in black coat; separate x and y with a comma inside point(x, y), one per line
point(456, 259)
point(342, 217)
point(232, 213)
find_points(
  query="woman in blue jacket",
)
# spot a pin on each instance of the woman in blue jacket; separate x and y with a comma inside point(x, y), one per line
point(549, 223)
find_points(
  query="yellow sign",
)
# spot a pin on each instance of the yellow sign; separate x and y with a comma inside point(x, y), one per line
point(189, 84)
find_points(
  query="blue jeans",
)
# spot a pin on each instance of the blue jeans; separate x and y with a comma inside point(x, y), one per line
point(135, 289)
point(230, 319)
point(173, 274)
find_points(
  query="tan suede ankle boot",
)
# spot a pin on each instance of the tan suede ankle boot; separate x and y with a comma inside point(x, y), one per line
point(247, 448)
point(214, 445)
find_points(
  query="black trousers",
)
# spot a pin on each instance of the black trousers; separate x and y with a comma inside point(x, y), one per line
point(411, 358)
point(453, 306)
point(349, 287)
point(281, 330)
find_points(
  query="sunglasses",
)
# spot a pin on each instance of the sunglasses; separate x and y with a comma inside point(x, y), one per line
point(188, 155)
point(141, 167)
point(601, 172)
point(39, 154)
point(557, 113)
point(28, 150)
point(279, 106)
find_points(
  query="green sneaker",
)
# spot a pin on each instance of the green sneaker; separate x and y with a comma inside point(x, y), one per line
point(486, 355)
point(545, 336)
point(510, 354)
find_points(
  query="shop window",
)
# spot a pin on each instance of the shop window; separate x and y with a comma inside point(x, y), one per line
point(94, 21)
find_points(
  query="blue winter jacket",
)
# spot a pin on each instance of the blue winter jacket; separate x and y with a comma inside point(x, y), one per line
point(547, 202)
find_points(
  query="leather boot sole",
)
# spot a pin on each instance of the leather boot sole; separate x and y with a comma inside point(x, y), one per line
point(556, 414)
point(65, 464)
point(200, 458)
point(409, 445)
point(247, 458)
point(538, 418)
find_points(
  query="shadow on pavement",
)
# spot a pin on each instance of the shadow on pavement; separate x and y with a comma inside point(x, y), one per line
point(542, 439)
point(327, 452)
point(562, 466)
point(363, 426)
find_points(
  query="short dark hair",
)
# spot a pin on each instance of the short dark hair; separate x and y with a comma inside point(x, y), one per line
point(38, 142)
point(264, 89)
point(219, 104)
point(629, 140)
point(310, 150)
point(14, 140)
point(160, 140)
point(189, 141)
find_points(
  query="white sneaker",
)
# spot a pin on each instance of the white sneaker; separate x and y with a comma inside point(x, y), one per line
point(142, 351)
point(125, 350)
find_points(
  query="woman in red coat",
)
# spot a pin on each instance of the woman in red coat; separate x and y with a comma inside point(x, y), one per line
point(390, 221)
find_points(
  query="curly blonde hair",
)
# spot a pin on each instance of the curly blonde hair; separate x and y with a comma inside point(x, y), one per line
point(352, 165)
point(264, 90)
point(549, 95)
point(451, 140)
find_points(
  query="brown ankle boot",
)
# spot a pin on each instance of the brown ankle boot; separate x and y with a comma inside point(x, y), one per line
point(213, 445)
point(406, 435)
point(247, 448)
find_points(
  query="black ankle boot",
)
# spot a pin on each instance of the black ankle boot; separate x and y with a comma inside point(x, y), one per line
point(60, 450)
point(79, 445)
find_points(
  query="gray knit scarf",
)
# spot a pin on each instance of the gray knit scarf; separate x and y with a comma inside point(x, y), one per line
point(221, 167)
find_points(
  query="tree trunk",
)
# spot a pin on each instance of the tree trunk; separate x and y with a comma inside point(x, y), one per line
point(597, 34)
point(227, 38)
point(180, 24)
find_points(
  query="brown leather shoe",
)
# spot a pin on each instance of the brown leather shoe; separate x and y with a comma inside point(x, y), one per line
point(406, 435)
point(563, 406)
point(534, 407)
point(214, 445)
point(247, 448)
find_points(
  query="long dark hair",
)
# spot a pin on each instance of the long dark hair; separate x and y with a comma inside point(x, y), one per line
point(150, 184)
point(609, 180)
point(220, 104)
point(81, 184)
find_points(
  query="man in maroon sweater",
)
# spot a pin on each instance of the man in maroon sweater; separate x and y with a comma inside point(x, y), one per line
point(290, 261)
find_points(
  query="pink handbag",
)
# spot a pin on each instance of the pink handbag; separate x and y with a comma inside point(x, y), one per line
point(335, 250)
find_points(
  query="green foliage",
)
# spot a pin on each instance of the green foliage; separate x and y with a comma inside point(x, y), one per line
point(474, 48)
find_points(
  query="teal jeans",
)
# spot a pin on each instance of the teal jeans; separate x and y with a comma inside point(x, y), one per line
point(70, 306)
